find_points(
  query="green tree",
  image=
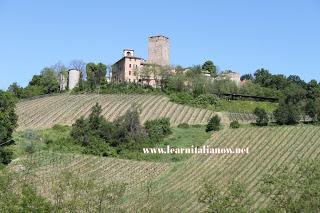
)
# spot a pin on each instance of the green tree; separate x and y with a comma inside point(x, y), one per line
point(210, 67)
point(16, 90)
point(101, 73)
point(49, 81)
point(262, 116)
point(91, 70)
point(45, 83)
point(96, 74)
point(313, 89)
point(80, 131)
point(246, 77)
point(213, 124)
point(296, 80)
point(262, 77)
point(312, 108)
point(287, 113)
point(8, 117)
point(128, 128)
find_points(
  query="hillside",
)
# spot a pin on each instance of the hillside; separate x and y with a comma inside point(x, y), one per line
point(175, 186)
point(44, 112)
point(269, 148)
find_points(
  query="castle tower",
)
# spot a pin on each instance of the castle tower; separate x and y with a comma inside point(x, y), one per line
point(158, 50)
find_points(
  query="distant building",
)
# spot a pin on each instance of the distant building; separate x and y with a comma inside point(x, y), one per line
point(129, 67)
point(125, 70)
point(228, 74)
point(69, 80)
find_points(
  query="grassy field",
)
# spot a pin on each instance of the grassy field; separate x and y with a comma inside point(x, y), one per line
point(65, 109)
point(57, 139)
point(175, 185)
point(244, 106)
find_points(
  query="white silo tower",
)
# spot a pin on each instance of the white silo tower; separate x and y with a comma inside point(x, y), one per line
point(74, 77)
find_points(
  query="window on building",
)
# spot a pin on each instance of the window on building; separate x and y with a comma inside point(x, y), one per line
point(128, 53)
point(130, 65)
point(130, 72)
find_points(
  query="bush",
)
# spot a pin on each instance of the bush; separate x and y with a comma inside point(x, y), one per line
point(61, 128)
point(205, 100)
point(213, 124)
point(5, 155)
point(98, 146)
point(128, 129)
point(181, 98)
point(184, 126)
point(234, 125)
point(158, 129)
point(196, 126)
point(30, 148)
point(262, 116)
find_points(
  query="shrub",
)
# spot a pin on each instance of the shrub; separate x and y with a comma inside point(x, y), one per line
point(196, 126)
point(181, 98)
point(234, 125)
point(213, 124)
point(262, 116)
point(80, 131)
point(205, 100)
point(98, 146)
point(158, 129)
point(5, 155)
point(60, 127)
point(184, 126)
point(30, 148)
point(31, 135)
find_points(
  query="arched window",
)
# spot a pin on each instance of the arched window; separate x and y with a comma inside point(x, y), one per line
point(128, 53)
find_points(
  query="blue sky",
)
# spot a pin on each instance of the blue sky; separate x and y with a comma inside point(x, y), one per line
point(282, 36)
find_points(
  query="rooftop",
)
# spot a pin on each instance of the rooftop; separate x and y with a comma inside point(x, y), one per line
point(155, 36)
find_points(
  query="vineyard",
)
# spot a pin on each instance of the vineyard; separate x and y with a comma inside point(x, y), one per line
point(178, 183)
point(269, 148)
point(48, 166)
point(65, 109)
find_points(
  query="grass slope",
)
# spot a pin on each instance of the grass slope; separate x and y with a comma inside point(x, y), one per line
point(173, 187)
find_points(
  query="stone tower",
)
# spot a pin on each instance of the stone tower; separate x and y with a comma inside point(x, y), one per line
point(158, 50)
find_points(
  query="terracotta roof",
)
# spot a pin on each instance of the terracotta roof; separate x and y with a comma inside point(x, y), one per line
point(133, 57)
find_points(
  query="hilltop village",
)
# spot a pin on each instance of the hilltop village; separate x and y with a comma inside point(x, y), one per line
point(134, 69)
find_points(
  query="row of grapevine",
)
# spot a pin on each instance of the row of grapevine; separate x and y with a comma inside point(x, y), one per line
point(47, 166)
point(65, 109)
point(269, 148)
point(245, 117)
